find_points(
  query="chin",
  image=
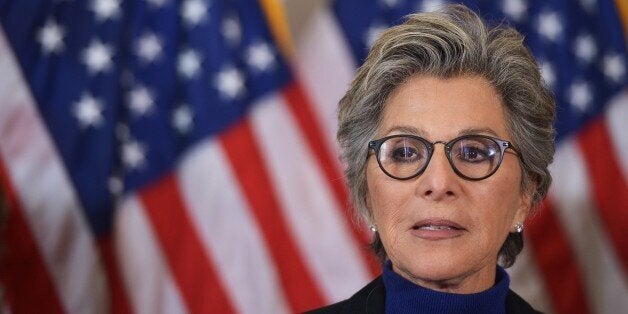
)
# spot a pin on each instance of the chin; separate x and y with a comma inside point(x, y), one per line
point(435, 267)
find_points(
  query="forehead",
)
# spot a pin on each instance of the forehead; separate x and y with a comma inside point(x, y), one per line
point(440, 109)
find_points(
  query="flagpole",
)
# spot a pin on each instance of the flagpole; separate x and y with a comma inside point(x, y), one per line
point(622, 7)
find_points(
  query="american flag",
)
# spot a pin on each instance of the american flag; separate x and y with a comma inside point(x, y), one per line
point(165, 156)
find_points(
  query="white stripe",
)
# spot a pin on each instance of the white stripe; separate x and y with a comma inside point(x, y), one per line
point(616, 121)
point(229, 232)
point(50, 204)
point(604, 281)
point(311, 213)
point(148, 282)
point(325, 67)
point(526, 281)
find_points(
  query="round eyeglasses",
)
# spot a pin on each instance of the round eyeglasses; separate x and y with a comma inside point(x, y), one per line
point(473, 157)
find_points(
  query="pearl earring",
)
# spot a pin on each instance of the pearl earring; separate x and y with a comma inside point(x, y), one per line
point(519, 227)
point(373, 228)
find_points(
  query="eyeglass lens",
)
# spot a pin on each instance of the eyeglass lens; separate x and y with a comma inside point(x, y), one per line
point(474, 157)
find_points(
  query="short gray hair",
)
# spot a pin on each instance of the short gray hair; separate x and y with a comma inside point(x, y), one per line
point(451, 42)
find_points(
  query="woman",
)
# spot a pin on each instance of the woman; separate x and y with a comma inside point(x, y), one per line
point(447, 134)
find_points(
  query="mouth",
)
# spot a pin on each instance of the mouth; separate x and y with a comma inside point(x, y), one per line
point(437, 229)
point(439, 224)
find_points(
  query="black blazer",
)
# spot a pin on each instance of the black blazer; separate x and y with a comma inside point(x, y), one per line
point(372, 297)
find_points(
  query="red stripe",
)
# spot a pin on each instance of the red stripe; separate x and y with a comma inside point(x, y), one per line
point(555, 260)
point(28, 285)
point(118, 298)
point(246, 160)
point(194, 273)
point(610, 191)
point(301, 109)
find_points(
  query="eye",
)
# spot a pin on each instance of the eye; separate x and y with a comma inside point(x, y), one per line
point(474, 154)
point(475, 150)
point(403, 150)
point(404, 154)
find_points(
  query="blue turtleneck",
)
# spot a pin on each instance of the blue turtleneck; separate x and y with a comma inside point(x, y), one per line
point(403, 296)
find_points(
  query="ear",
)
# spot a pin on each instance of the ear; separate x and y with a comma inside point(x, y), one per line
point(525, 204)
point(367, 203)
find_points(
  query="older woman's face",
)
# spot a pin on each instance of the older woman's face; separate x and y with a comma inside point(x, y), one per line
point(440, 230)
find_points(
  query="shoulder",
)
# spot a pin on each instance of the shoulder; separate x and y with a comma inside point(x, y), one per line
point(370, 299)
point(517, 305)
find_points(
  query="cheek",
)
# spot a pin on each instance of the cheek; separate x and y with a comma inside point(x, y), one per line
point(496, 217)
point(384, 197)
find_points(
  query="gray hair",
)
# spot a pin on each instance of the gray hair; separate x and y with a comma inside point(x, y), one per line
point(452, 42)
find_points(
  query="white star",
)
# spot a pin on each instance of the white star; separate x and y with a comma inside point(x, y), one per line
point(230, 83)
point(550, 26)
point(548, 73)
point(141, 101)
point(390, 3)
point(189, 63)
point(88, 111)
point(133, 154)
point(373, 33)
point(614, 67)
point(516, 9)
point(148, 48)
point(182, 119)
point(50, 37)
point(259, 56)
point(431, 5)
point(116, 186)
point(97, 57)
point(585, 48)
point(580, 96)
point(589, 5)
point(156, 3)
point(231, 30)
point(193, 12)
point(105, 9)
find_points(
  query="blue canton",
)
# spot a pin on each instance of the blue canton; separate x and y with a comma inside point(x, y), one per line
point(125, 87)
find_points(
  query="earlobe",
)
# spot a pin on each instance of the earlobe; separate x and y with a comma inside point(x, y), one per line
point(369, 211)
point(526, 205)
point(368, 203)
point(523, 211)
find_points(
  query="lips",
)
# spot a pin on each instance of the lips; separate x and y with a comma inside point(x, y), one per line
point(437, 224)
point(437, 229)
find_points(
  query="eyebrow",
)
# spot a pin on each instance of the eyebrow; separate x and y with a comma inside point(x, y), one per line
point(405, 129)
point(485, 131)
point(412, 130)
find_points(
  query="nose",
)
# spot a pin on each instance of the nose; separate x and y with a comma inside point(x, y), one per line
point(438, 181)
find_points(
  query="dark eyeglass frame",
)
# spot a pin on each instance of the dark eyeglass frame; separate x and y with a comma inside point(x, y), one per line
point(503, 145)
